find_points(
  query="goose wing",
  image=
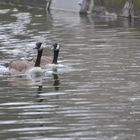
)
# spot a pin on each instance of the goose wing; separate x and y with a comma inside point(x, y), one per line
point(20, 65)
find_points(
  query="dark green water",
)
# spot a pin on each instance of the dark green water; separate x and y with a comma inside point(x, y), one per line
point(95, 93)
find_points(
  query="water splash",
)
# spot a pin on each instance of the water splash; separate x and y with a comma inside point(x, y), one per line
point(57, 69)
point(4, 70)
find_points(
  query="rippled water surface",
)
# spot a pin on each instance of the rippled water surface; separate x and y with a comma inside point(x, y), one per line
point(93, 94)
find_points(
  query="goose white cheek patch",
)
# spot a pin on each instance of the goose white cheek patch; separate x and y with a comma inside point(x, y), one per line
point(42, 46)
point(58, 47)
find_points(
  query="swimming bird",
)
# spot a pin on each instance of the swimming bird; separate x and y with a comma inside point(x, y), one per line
point(37, 70)
point(23, 66)
point(45, 61)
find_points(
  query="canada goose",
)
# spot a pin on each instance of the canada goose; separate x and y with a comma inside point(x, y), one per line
point(36, 70)
point(45, 61)
point(23, 66)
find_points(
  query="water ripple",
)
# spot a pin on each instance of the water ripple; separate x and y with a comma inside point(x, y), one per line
point(93, 93)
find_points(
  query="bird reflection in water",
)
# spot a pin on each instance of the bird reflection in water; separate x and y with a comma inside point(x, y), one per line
point(56, 85)
point(39, 91)
point(56, 80)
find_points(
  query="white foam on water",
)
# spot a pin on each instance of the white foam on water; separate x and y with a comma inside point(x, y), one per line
point(4, 70)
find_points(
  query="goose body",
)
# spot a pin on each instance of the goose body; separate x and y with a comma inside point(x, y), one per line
point(24, 66)
point(20, 66)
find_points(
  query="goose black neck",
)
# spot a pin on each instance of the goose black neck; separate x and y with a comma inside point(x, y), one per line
point(38, 59)
point(55, 57)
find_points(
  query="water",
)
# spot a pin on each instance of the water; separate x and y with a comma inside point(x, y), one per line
point(94, 92)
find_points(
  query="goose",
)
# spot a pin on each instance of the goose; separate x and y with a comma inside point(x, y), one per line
point(45, 61)
point(23, 66)
point(37, 70)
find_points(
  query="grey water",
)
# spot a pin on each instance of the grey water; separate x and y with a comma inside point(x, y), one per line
point(94, 93)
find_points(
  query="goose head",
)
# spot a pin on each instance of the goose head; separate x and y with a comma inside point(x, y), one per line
point(36, 70)
point(56, 48)
point(38, 46)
